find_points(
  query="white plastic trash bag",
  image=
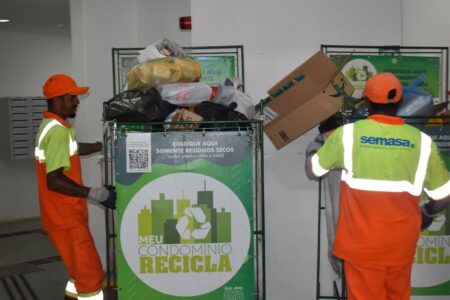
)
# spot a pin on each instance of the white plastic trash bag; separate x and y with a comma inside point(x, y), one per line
point(160, 49)
point(185, 94)
point(229, 92)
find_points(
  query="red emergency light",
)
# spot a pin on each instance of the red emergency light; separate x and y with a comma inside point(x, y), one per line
point(185, 23)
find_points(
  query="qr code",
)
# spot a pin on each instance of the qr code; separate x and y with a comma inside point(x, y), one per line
point(138, 159)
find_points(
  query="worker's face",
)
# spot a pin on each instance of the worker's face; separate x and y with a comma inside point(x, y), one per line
point(69, 104)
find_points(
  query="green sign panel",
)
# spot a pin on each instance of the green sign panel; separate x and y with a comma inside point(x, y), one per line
point(431, 267)
point(407, 68)
point(184, 216)
point(216, 68)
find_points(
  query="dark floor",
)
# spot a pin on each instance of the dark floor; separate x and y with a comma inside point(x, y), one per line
point(30, 268)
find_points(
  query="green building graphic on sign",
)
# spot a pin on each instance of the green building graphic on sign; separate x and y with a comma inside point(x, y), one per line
point(188, 223)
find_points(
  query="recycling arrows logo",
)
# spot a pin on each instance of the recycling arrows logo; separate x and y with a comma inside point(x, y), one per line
point(191, 214)
point(182, 240)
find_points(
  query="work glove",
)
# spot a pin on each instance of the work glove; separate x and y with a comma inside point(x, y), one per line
point(105, 195)
point(312, 148)
point(315, 145)
point(427, 218)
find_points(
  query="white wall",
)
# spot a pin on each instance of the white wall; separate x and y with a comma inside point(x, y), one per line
point(26, 61)
point(277, 37)
point(159, 19)
point(426, 23)
point(280, 35)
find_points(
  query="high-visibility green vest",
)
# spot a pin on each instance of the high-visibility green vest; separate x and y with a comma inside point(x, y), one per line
point(386, 165)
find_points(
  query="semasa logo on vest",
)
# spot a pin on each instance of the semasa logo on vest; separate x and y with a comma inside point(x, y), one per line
point(380, 141)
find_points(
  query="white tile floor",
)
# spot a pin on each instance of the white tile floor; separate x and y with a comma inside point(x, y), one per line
point(30, 267)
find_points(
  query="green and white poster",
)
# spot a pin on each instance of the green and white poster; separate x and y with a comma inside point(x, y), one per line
point(216, 68)
point(431, 268)
point(185, 205)
point(407, 68)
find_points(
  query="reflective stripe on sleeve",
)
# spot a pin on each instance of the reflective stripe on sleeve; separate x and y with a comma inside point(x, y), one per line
point(316, 167)
point(38, 153)
point(439, 193)
point(421, 172)
point(73, 146)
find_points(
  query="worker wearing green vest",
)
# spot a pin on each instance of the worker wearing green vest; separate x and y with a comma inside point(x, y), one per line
point(386, 166)
point(62, 195)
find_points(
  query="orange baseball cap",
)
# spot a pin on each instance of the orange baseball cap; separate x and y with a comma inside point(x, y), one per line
point(383, 88)
point(61, 84)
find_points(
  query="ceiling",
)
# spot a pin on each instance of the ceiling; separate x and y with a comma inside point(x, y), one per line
point(36, 16)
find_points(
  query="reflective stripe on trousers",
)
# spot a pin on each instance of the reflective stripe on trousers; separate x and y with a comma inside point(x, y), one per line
point(71, 291)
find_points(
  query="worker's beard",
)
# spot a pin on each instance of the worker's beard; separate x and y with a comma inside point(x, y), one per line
point(74, 113)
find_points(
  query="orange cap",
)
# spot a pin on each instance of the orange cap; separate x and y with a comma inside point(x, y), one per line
point(61, 84)
point(383, 88)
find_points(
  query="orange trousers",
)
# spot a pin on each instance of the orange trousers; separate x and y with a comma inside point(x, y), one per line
point(377, 283)
point(79, 255)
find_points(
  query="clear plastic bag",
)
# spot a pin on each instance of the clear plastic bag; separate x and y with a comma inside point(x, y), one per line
point(163, 71)
point(185, 94)
point(160, 49)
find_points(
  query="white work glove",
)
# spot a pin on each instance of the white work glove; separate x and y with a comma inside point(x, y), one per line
point(106, 196)
point(98, 194)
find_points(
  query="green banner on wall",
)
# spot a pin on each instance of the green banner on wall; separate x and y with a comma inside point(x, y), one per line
point(184, 210)
point(431, 268)
point(407, 68)
point(216, 68)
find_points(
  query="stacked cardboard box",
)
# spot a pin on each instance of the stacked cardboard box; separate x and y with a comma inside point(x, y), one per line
point(302, 99)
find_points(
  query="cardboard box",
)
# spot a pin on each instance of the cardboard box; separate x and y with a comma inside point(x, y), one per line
point(304, 98)
point(185, 115)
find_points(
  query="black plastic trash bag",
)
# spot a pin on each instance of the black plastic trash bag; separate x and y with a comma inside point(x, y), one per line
point(143, 104)
point(211, 111)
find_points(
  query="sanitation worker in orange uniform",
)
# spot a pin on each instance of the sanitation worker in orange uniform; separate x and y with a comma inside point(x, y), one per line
point(62, 195)
point(386, 166)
